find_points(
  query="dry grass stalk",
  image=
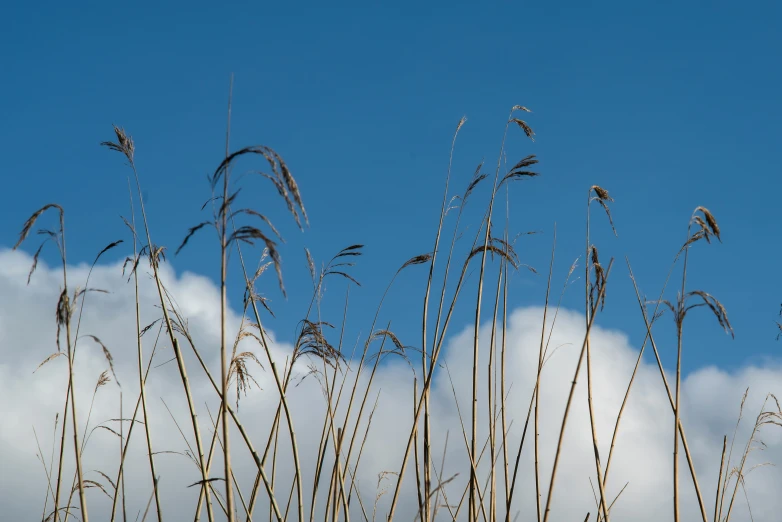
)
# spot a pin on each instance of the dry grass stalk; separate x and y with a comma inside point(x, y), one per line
point(487, 246)
point(280, 386)
point(491, 481)
point(242, 431)
point(687, 453)
point(592, 289)
point(124, 145)
point(706, 228)
point(719, 480)
point(537, 387)
point(224, 363)
point(426, 513)
point(139, 403)
point(435, 355)
point(534, 396)
point(64, 314)
point(570, 399)
point(766, 417)
point(503, 387)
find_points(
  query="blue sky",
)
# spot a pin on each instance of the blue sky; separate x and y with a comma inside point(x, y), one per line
point(668, 107)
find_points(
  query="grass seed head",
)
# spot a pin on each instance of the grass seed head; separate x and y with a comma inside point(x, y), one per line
point(525, 127)
point(124, 143)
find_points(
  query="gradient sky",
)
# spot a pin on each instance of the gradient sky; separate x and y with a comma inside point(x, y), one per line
point(668, 107)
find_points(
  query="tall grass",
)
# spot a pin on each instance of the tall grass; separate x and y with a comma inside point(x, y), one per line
point(347, 381)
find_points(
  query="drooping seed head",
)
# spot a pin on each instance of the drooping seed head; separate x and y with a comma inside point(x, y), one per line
point(711, 221)
point(123, 145)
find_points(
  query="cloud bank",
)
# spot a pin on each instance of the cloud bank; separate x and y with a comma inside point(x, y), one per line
point(642, 459)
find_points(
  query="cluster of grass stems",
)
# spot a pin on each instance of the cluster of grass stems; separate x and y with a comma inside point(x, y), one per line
point(341, 442)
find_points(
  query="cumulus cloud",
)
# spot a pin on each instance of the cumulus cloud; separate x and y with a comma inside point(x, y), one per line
point(643, 452)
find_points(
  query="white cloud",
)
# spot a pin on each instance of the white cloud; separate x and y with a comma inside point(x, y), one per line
point(642, 455)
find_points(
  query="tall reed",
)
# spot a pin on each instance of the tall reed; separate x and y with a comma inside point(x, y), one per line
point(348, 382)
